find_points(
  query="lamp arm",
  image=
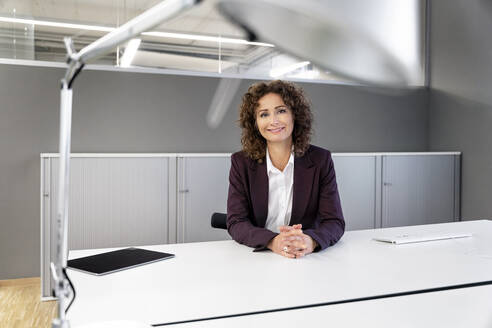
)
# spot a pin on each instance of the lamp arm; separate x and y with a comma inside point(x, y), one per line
point(147, 20)
point(61, 288)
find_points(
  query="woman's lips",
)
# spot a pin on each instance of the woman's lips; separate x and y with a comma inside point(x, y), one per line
point(278, 130)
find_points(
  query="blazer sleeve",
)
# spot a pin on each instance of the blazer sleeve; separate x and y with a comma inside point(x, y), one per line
point(239, 212)
point(331, 224)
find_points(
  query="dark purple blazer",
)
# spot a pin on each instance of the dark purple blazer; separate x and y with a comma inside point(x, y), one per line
point(315, 199)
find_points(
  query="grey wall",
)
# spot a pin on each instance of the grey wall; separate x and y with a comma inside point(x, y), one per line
point(460, 105)
point(130, 112)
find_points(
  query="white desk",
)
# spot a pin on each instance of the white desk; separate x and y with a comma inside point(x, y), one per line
point(214, 279)
point(457, 308)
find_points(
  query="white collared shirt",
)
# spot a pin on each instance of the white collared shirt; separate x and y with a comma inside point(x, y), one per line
point(280, 185)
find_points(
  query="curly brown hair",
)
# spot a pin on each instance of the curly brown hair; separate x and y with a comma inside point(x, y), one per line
point(254, 145)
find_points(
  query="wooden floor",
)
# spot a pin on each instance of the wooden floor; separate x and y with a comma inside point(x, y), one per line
point(21, 306)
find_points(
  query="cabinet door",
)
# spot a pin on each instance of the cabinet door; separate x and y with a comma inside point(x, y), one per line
point(203, 184)
point(356, 179)
point(115, 201)
point(418, 189)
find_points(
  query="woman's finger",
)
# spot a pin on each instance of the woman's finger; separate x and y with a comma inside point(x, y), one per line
point(297, 245)
point(285, 228)
point(296, 232)
point(299, 254)
point(291, 238)
point(287, 254)
point(289, 249)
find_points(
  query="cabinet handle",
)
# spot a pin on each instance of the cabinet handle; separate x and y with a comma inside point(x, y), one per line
point(46, 194)
point(184, 191)
point(387, 184)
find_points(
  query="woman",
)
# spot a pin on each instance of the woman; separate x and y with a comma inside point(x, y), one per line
point(282, 191)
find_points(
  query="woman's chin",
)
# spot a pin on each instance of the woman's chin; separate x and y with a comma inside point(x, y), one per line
point(277, 139)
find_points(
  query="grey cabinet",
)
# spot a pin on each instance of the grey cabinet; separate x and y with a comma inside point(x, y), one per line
point(358, 185)
point(394, 189)
point(115, 201)
point(203, 184)
point(143, 199)
point(420, 189)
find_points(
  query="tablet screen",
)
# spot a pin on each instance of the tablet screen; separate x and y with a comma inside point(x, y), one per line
point(122, 259)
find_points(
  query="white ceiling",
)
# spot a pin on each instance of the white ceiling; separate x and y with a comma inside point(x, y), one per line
point(201, 19)
point(45, 43)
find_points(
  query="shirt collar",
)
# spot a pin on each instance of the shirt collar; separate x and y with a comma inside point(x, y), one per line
point(271, 168)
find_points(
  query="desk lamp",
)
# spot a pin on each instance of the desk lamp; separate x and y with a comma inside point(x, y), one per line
point(325, 32)
point(76, 61)
point(301, 28)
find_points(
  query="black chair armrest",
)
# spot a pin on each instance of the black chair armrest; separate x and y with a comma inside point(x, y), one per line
point(219, 220)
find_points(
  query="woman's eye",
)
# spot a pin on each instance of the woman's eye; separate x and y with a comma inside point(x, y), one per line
point(263, 115)
point(282, 110)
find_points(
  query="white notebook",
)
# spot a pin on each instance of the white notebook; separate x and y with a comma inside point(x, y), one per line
point(423, 237)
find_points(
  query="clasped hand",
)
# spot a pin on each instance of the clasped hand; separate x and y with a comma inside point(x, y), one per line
point(291, 242)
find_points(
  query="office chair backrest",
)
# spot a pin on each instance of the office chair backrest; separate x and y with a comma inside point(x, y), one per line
point(219, 220)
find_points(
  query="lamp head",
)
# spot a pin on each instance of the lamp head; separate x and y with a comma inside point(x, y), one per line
point(318, 32)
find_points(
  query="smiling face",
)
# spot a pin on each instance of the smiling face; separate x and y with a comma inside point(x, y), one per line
point(274, 119)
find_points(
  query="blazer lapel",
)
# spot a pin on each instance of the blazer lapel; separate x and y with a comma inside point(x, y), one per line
point(258, 185)
point(303, 183)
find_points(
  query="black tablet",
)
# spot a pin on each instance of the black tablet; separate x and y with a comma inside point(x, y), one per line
point(122, 259)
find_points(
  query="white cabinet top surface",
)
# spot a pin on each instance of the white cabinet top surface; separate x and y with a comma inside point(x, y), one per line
point(335, 154)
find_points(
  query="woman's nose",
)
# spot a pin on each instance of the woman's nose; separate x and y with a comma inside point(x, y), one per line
point(275, 118)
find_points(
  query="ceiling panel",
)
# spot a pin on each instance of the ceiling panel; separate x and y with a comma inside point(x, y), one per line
point(39, 42)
